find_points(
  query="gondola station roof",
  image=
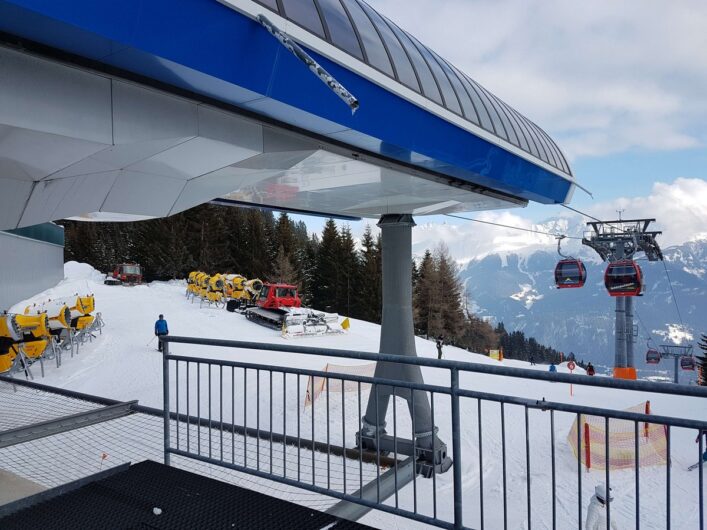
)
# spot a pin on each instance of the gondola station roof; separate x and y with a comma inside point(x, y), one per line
point(146, 108)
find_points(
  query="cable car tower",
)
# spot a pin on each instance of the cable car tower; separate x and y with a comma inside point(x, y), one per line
point(682, 355)
point(617, 242)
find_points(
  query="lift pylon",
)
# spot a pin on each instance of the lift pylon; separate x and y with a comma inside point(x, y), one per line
point(618, 241)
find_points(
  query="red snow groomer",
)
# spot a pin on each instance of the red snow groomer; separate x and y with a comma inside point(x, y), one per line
point(280, 307)
point(125, 274)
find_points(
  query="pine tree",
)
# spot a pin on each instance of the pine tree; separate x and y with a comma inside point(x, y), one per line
point(306, 260)
point(326, 288)
point(283, 271)
point(350, 274)
point(426, 298)
point(450, 289)
point(369, 285)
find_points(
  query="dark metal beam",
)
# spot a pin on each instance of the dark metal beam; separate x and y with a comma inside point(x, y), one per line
point(42, 496)
point(65, 423)
point(389, 482)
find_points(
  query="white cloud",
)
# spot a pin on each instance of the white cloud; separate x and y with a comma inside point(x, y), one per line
point(680, 209)
point(602, 76)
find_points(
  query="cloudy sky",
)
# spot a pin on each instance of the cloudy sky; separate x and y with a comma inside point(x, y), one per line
point(622, 87)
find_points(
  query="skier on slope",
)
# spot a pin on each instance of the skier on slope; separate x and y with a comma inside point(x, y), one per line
point(161, 329)
point(590, 369)
point(440, 343)
point(596, 512)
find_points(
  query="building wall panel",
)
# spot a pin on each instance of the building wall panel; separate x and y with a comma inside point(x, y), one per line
point(27, 267)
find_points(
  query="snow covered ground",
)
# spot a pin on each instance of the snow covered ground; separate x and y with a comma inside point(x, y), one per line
point(123, 364)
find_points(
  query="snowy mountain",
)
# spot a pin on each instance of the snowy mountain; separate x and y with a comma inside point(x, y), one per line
point(518, 289)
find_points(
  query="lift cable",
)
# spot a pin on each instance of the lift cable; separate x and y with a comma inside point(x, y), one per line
point(512, 227)
point(648, 334)
point(619, 230)
point(677, 307)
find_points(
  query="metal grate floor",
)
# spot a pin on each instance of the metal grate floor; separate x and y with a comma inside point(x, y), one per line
point(128, 500)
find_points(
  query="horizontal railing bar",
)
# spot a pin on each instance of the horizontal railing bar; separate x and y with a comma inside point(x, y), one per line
point(314, 373)
point(369, 457)
point(540, 404)
point(604, 382)
point(63, 424)
point(317, 489)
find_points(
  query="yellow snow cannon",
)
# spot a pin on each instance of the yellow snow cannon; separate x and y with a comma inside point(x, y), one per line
point(10, 334)
point(86, 304)
point(212, 293)
point(35, 325)
point(228, 284)
point(58, 312)
point(9, 328)
point(35, 335)
point(193, 283)
point(253, 288)
point(237, 289)
point(216, 283)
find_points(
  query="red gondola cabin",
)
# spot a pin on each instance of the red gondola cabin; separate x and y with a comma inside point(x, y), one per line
point(570, 273)
point(652, 357)
point(623, 278)
point(687, 363)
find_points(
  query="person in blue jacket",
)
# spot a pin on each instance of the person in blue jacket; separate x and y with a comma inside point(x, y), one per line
point(161, 329)
point(553, 368)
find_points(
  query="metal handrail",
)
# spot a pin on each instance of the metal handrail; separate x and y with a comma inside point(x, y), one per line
point(455, 394)
point(603, 382)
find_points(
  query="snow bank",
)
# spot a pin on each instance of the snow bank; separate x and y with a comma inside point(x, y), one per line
point(74, 271)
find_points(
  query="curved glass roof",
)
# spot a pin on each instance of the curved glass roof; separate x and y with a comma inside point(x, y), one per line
point(357, 29)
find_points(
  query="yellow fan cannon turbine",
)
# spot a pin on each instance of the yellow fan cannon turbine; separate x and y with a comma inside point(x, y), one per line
point(215, 291)
point(10, 334)
point(23, 340)
point(60, 329)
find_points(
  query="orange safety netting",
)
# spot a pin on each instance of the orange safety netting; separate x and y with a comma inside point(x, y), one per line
point(317, 385)
point(652, 442)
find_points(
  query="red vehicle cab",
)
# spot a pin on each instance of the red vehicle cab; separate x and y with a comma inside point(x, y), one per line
point(125, 273)
point(277, 295)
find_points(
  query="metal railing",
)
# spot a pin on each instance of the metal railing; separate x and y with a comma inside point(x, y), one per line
point(232, 413)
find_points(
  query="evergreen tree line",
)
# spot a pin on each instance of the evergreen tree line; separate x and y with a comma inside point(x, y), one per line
point(516, 345)
point(330, 270)
point(331, 273)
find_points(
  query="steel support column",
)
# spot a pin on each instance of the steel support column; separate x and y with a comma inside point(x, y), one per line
point(629, 332)
point(620, 333)
point(398, 338)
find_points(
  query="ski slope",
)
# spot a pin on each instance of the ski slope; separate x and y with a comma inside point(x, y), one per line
point(123, 364)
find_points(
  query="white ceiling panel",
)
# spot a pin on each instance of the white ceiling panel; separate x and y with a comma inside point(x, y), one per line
point(13, 198)
point(142, 194)
point(141, 114)
point(46, 96)
point(40, 154)
point(194, 158)
point(87, 194)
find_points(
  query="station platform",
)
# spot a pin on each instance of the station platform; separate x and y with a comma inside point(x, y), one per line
point(152, 495)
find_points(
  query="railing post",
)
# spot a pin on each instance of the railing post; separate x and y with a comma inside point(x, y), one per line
point(587, 447)
point(457, 449)
point(165, 392)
